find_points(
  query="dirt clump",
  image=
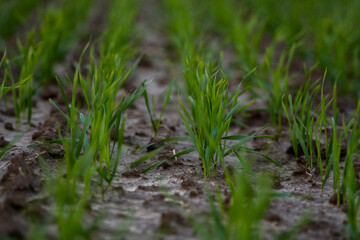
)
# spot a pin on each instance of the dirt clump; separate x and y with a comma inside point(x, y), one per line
point(49, 129)
point(9, 126)
point(3, 142)
point(50, 91)
point(18, 183)
point(19, 176)
point(172, 221)
point(272, 217)
point(8, 112)
point(132, 173)
point(192, 187)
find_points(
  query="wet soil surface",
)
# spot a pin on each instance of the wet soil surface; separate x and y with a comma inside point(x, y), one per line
point(157, 204)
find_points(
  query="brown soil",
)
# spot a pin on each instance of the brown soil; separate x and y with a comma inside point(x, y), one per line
point(157, 204)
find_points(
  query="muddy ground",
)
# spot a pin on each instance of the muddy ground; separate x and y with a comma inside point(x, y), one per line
point(159, 204)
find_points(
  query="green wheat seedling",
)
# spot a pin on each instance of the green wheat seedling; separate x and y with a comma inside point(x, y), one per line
point(307, 122)
point(116, 50)
point(353, 203)
point(350, 185)
point(105, 117)
point(299, 113)
point(308, 127)
point(102, 129)
point(119, 38)
point(342, 181)
point(10, 85)
point(71, 193)
point(181, 26)
point(186, 32)
point(209, 121)
point(328, 29)
point(106, 109)
point(59, 33)
point(156, 120)
point(242, 217)
point(209, 101)
point(332, 147)
point(55, 38)
point(71, 187)
point(227, 18)
point(279, 85)
point(212, 109)
point(4, 88)
point(30, 56)
point(14, 13)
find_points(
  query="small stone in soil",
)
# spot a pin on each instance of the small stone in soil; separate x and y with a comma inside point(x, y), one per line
point(3, 142)
point(50, 91)
point(132, 173)
point(193, 193)
point(155, 145)
point(273, 217)
point(171, 221)
point(298, 172)
point(8, 126)
point(333, 199)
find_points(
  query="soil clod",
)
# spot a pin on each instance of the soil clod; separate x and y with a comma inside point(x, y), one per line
point(9, 126)
point(3, 142)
